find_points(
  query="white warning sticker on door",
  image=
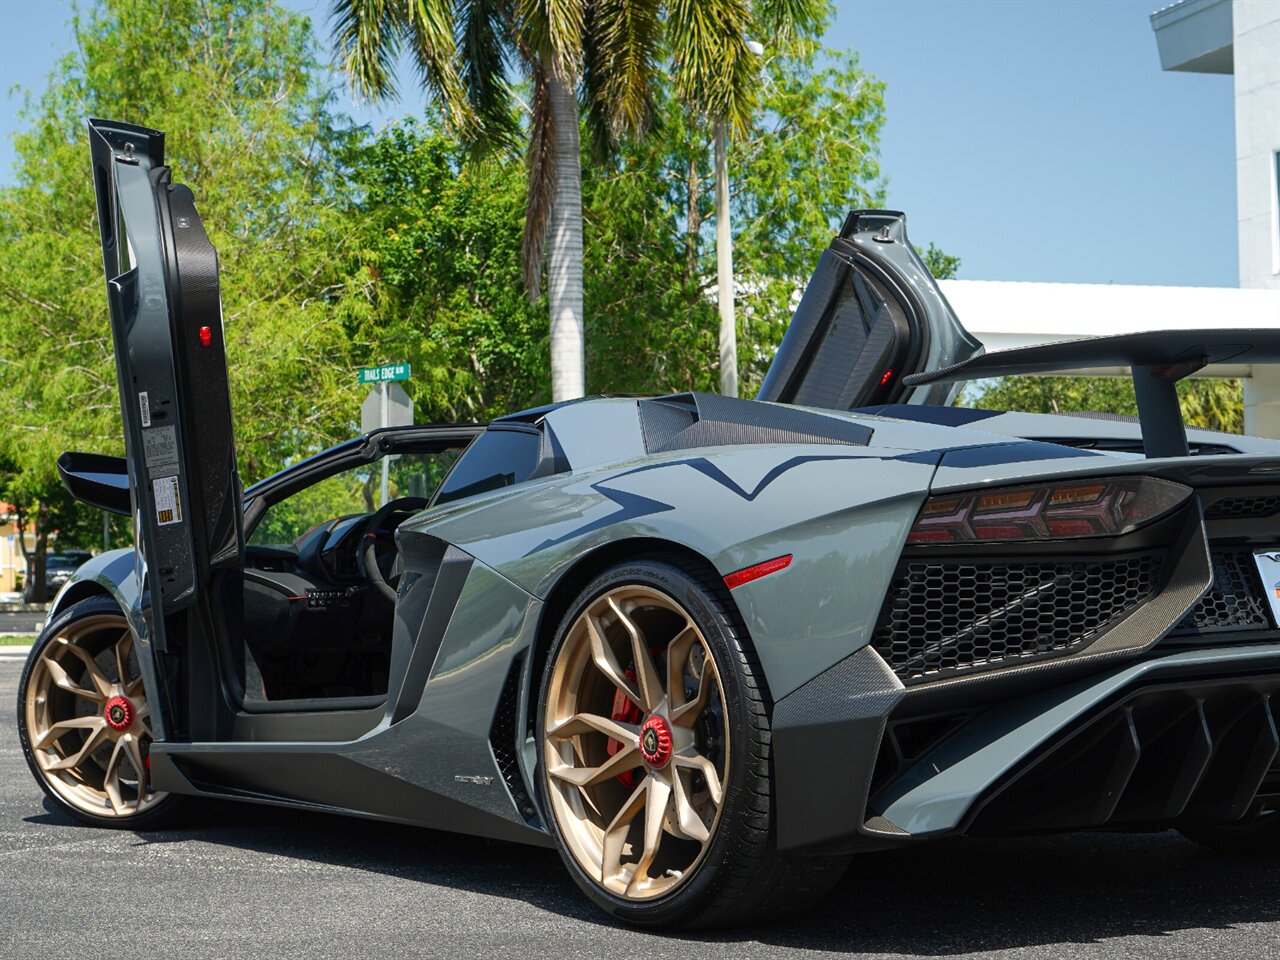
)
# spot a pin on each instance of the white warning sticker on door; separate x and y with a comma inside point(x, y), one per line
point(168, 502)
point(160, 447)
point(144, 404)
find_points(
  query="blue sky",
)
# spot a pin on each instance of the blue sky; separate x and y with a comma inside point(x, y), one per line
point(1037, 140)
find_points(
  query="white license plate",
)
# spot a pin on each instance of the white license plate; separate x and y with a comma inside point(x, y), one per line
point(1268, 563)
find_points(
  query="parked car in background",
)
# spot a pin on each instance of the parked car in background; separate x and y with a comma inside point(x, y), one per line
point(58, 567)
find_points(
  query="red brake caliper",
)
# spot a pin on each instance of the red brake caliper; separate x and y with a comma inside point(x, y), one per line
point(624, 711)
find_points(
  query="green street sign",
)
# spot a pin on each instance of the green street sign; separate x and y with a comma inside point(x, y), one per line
point(384, 373)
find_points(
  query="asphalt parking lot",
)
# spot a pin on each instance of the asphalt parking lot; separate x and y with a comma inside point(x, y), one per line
point(242, 881)
point(21, 623)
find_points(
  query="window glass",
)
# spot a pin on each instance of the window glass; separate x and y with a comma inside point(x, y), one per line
point(1275, 216)
point(497, 458)
point(352, 491)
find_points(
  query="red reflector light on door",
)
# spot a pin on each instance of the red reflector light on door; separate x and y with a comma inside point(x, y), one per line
point(206, 337)
point(756, 571)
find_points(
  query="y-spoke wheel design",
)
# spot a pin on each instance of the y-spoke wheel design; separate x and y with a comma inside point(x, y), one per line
point(86, 720)
point(654, 754)
point(634, 742)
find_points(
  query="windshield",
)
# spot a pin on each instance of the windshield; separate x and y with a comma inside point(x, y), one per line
point(353, 491)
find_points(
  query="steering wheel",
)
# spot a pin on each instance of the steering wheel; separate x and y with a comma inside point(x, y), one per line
point(367, 555)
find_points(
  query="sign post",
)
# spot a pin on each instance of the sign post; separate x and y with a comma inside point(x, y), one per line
point(385, 488)
point(387, 405)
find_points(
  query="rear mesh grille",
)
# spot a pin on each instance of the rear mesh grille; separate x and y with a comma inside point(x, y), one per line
point(1241, 508)
point(945, 617)
point(1234, 602)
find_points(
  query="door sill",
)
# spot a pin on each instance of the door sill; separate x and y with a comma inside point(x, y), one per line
point(313, 704)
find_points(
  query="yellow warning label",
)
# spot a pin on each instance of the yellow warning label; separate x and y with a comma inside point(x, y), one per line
point(168, 503)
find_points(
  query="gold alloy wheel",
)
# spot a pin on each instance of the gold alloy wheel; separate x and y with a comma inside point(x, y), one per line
point(87, 719)
point(635, 742)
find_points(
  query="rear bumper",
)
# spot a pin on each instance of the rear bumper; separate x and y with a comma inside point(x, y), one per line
point(1007, 690)
point(1187, 733)
point(1098, 722)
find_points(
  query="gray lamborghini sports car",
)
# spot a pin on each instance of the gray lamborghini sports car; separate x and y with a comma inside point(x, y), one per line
point(707, 648)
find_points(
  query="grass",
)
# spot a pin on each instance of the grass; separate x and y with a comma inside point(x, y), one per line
point(17, 639)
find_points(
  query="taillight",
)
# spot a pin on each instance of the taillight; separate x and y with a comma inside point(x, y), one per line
point(1049, 511)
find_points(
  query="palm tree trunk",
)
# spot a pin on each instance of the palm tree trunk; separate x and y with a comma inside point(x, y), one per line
point(724, 269)
point(564, 247)
point(693, 223)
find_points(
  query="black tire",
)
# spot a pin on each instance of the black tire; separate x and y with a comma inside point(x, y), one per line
point(742, 878)
point(1258, 834)
point(162, 809)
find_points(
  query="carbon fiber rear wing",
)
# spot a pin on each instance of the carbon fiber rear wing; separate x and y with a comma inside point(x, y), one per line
point(1157, 360)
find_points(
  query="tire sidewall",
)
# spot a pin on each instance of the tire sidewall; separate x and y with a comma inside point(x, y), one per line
point(725, 640)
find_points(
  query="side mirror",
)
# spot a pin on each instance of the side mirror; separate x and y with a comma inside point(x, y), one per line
point(97, 480)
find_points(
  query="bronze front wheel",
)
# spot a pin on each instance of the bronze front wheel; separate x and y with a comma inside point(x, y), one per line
point(85, 718)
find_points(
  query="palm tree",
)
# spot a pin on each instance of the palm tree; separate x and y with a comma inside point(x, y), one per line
point(597, 56)
point(717, 67)
point(602, 52)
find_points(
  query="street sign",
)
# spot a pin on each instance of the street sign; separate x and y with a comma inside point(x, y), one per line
point(384, 373)
point(399, 409)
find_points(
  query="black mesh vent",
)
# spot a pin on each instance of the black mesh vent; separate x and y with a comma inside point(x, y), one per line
point(1240, 508)
point(502, 740)
point(945, 617)
point(1235, 600)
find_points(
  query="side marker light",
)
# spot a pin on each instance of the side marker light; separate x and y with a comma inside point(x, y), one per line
point(756, 571)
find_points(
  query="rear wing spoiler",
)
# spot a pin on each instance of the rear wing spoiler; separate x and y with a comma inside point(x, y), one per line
point(1157, 359)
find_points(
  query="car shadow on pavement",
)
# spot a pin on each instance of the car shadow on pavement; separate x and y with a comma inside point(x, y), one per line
point(947, 898)
point(974, 896)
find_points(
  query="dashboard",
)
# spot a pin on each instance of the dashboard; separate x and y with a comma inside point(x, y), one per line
point(327, 554)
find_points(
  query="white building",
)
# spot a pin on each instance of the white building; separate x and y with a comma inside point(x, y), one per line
point(1239, 37)
point(1242, 38)
point(1205, 36)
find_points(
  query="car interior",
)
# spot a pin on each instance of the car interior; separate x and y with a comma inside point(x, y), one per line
point(315, 599)
point(307, 621)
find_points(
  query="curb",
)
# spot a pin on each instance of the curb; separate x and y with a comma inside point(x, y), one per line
point(13, 652)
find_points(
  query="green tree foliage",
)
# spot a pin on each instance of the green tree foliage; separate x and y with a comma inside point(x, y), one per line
point(942, 265)
point(440, 252)
point(441, 260)
point(600, 60)
point(809, 158)
point(340, 249)
point(812, 157)
point(234, 84)
point(1209, 403)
